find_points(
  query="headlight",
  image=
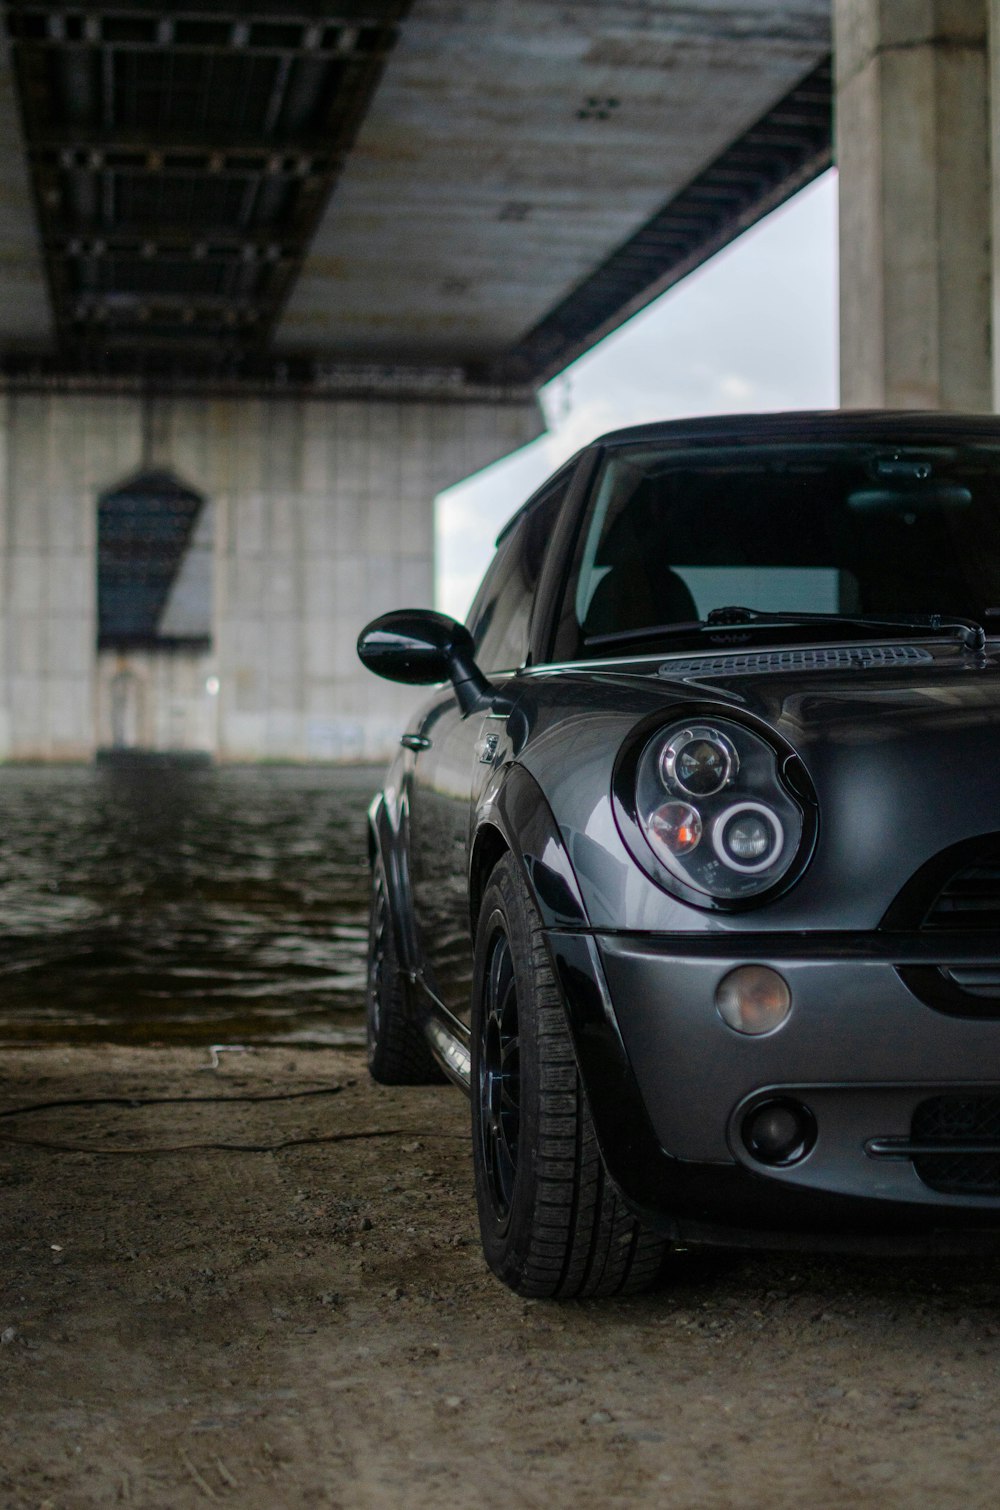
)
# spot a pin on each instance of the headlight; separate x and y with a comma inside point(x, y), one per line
point(699, 760)
point(748, 836)
point(710, 804)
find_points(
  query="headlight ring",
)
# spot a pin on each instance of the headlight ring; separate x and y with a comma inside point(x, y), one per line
point(735, 837)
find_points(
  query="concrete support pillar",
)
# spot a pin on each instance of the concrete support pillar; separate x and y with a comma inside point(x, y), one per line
point(328, 520)
point(993, 85)
point(47, 575)
point(323, 515)
point(5, 715)
point(915, 204)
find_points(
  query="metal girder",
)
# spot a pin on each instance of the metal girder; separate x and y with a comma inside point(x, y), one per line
point(246, 28)
point(182, 157)
point(238, 374)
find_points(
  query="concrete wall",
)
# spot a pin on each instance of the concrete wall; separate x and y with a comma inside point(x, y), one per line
point(323, 517)
point(916, 204)
point(156, 700)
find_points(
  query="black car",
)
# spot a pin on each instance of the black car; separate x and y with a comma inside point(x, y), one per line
point(689, 871)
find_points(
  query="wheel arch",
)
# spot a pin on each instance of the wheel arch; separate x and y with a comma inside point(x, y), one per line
point(490, 846)
point(517, 819)
point(385, 843)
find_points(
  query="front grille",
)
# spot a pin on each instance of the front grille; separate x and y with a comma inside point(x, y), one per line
point(962, 1122)
point(970, 899)
point(956, 896)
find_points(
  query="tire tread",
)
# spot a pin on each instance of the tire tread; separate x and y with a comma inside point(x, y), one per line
point(582, 1239)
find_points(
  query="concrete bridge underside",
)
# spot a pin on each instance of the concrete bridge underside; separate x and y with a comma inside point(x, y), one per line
point(272, 276)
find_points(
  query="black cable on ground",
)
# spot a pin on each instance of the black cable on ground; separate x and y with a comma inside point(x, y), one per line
point(136, 1101)
point(136, 1153)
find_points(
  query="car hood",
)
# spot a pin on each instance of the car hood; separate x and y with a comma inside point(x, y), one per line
point(854, 693)
point(903, 752)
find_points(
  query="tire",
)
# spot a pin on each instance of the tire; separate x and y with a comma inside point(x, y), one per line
point(552, 1222)
point(398, 1052)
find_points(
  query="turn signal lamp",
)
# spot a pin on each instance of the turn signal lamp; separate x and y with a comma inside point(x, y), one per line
point(753, 999)
point(676, 826)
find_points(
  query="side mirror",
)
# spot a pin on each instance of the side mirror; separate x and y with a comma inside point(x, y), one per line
point(419, 646)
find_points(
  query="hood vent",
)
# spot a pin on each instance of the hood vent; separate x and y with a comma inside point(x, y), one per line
point(837, 658)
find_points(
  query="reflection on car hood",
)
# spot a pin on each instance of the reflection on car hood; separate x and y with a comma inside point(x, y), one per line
point(902, 755)
point(848, 694)
point(853, 693)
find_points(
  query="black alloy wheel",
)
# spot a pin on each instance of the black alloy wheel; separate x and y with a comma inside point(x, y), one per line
point(551, 1221)
point(499, 1076)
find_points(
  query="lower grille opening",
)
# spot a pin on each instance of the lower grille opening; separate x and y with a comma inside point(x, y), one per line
point(963, 1121)
point(970, 899)
point(957, 990)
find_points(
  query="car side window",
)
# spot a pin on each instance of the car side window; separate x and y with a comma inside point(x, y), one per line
point(500, 617)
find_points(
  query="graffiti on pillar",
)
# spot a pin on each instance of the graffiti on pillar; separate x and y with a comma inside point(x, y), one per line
point(155, 572)
point(155, 542)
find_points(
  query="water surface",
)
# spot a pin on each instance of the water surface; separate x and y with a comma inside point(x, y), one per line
point(215, 906)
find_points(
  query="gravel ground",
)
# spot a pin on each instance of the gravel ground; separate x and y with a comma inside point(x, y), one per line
point(281, 1302)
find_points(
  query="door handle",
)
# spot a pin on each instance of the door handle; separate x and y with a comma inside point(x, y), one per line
point(414, 742)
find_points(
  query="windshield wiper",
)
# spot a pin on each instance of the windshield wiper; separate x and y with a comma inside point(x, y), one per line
point(970, 635)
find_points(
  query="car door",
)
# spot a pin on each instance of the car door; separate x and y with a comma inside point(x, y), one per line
point(455, 754)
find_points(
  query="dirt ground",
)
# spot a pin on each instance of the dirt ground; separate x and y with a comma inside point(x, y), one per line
point(273, 1298)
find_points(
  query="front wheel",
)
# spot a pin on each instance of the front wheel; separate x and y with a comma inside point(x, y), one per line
point(552, 1223)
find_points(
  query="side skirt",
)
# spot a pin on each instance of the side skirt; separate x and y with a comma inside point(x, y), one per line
point(448, 1038)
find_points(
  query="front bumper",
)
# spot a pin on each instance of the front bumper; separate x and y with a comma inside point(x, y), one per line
point(669, 1084)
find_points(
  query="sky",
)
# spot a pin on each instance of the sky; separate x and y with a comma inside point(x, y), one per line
point(754, 329)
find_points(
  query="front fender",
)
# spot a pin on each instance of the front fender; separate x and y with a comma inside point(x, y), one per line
point(516, 816)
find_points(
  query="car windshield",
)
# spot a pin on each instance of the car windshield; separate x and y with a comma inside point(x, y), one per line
point(838, 529)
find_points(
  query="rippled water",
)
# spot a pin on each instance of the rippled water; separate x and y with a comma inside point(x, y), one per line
point(213, 906)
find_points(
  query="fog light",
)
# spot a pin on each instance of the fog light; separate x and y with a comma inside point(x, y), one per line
point(753, 999)
point(779, 1132)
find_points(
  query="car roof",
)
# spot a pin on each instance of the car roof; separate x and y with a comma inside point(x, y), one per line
point(797, 427)
point(914, 425)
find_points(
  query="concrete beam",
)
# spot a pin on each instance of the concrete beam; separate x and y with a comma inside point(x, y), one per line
point(912, 136)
